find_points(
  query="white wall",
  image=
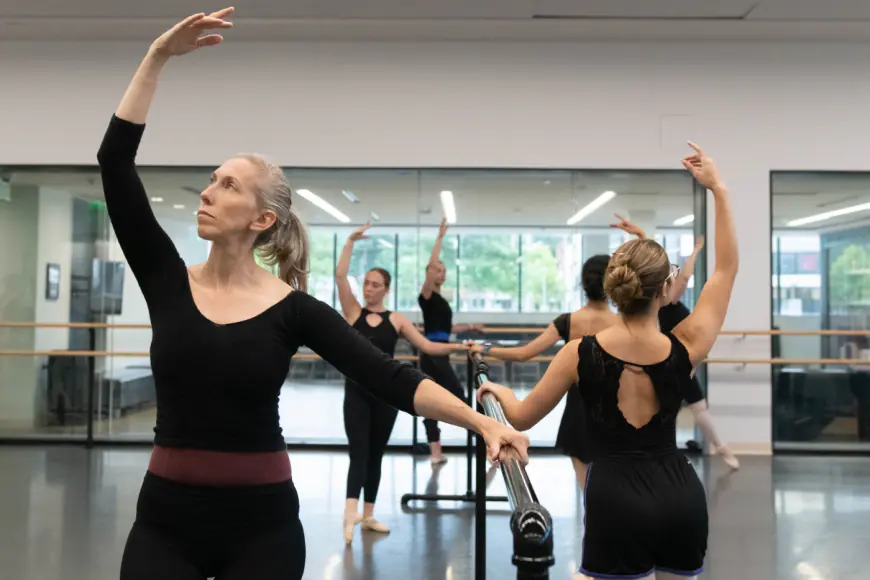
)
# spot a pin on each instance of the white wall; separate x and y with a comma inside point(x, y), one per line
point(54, 246)
point(756, 107)
point(18, 251)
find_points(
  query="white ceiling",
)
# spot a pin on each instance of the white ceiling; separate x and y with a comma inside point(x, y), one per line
point(452, 19)
point(488, 198)
point(451, 9)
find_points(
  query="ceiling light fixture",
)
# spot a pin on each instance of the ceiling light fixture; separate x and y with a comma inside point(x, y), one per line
point(318, 201)
point(819, 217)
point(156, 199)
point(449, 206)
point(686, 219)
point(178, 206)
point(349, 195)
point(591, 207)
point(375, 217)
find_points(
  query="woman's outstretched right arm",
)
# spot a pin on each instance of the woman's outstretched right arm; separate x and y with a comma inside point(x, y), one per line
point(542, 342)
point(147, 248)
point(700, 329)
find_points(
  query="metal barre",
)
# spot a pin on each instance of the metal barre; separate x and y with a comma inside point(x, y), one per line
point(531, 524)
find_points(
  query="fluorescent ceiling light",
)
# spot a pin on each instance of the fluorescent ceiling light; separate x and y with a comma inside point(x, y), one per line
point(385, 243)
point(591, 207)
point(828, 215)
point(449, 207)
point(156, 199)
point(686, 219)
point(323, 204)
point(178, 206)
point(349, 195)
point(375, 217)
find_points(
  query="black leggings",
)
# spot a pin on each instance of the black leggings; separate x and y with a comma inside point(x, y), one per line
point(186, 532)
point(368, 424)
point(441, 371)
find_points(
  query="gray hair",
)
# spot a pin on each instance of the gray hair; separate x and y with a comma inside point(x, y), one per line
point(285, 244)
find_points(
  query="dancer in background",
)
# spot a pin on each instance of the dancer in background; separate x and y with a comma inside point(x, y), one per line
point(218, 499)
point(672, 314)
point(594, 317)
point(646, 510)
point(438, 326)
point(368, 421)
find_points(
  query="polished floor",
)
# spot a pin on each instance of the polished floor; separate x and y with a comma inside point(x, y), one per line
point(65, 513)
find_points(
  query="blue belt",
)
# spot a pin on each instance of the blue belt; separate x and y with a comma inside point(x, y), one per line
point(438, 336)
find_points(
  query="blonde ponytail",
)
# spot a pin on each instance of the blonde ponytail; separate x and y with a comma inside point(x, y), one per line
point(287, 247)
point(285, 244)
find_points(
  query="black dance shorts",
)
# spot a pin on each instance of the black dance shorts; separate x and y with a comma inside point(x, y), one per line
point(642, 516)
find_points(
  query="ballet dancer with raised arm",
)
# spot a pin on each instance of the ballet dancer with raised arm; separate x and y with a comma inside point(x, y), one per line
point(646, 510)
point(592, 318)
point(218, 499)
point(368, 422)
point(670, 315)
point(438, 326)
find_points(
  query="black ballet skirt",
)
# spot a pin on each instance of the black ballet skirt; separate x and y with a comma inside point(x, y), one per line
point(571, 439)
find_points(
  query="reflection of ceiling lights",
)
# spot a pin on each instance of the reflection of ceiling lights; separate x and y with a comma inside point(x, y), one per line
point(349, 195)
point(178, 206)
point(819, 217)
point(686, 219)
point(591, 207)
point(449, 207)
point(323, 204)
point(385, 243)
point(156, 199)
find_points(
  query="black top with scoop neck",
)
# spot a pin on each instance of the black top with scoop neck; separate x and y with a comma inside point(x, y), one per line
point(218, 384)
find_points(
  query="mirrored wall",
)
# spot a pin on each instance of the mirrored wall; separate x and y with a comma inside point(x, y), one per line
point(820, 297)
point(513, 252)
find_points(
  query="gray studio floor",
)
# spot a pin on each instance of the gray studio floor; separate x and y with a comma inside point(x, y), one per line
point(65, 513)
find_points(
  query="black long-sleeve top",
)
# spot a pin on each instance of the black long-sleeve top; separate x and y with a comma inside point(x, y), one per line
point(218, 384)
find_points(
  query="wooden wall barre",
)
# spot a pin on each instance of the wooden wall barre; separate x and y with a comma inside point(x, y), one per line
point(486, 330)
point(459, 357)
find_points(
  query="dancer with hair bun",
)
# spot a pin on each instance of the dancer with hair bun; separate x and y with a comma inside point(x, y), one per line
point(594, 317)
point(672, 314)
point(646, 510)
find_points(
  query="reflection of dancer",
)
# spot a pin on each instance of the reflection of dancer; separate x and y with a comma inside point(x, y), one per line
point(438, 326)
point(672, 314)
point(218, 499)
point(646, 512)
point(368, 421)
point(591, 319)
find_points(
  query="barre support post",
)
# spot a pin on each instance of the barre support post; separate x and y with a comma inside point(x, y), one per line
point(531, 524)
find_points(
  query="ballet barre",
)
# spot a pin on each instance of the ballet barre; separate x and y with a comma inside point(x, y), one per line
point(531, 524)
point(408, 357)
point(486, 330)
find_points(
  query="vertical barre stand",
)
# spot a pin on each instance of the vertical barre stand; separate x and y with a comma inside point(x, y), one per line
point(531, 524)
point(469, 495)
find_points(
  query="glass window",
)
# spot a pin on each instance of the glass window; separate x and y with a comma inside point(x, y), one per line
point(550, 273)
point(321, 277)
point(489, 272)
